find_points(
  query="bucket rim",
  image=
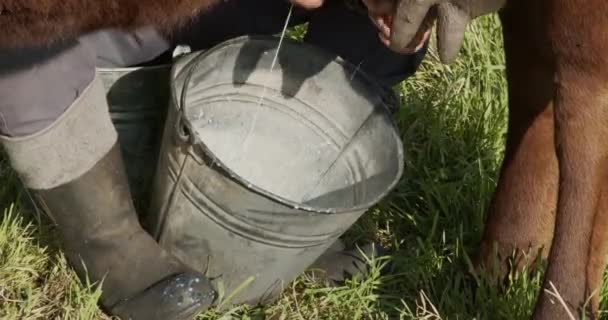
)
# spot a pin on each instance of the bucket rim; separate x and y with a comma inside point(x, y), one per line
point(125, 69)
point(194, 140)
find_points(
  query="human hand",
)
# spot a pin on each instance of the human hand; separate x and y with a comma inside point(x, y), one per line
point(381, 13)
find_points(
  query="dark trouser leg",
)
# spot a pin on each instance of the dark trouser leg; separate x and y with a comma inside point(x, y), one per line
point(349, 33)
point(233, 18)
point(38, 85)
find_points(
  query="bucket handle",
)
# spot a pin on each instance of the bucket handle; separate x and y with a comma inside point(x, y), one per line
point(195, 146)
point(184, 133)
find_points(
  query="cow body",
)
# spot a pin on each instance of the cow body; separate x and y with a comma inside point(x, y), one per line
point(29, 23)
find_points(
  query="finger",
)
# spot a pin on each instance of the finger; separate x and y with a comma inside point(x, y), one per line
point(382, 23)
point(408, 17)
point(451, 27)
point(384, 39)
point(387, 23)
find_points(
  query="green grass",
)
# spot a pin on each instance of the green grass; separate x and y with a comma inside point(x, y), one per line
point(453, 122)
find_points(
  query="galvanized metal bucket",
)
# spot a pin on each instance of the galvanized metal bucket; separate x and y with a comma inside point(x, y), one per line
point(138, 98)
point(262, 170)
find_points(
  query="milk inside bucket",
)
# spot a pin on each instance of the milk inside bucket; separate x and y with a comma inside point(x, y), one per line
point(261, 171)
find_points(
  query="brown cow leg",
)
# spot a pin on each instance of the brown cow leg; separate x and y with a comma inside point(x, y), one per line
point(580, 43)
point(594, 269)
point(521, 214)
point(577, 256)
point(599, 252)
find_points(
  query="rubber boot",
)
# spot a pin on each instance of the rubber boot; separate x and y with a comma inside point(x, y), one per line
point(338, 264)
point(75, 172)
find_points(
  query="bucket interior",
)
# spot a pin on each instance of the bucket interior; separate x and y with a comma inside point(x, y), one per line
point(326, 143)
